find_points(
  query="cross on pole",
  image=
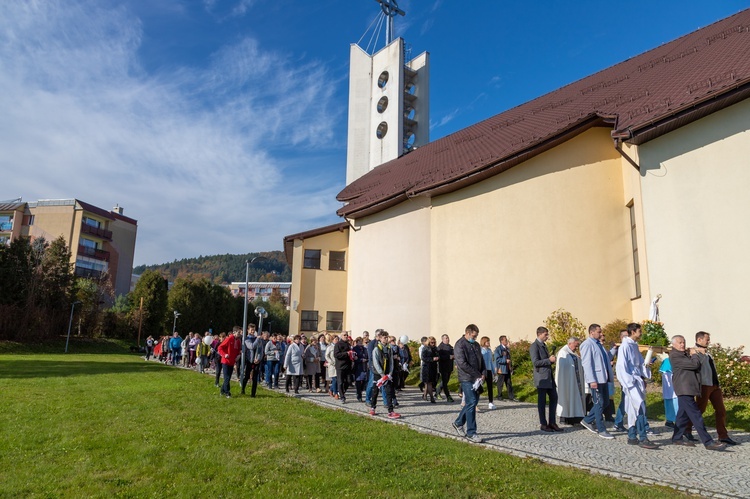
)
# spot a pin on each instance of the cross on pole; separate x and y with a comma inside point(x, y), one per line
point(390, 9)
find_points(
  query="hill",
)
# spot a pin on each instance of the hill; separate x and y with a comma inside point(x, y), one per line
point(226, 268)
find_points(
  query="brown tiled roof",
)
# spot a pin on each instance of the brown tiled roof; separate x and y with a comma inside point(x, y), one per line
point(289, 240)
point(640, 99)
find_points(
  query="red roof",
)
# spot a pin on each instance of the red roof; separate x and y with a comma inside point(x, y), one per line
point(640, 99)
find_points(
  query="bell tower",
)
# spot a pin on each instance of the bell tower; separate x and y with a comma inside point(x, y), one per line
point(388, 99)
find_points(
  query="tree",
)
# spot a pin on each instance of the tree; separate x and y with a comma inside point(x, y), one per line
point(202, 304)
point(152, 287)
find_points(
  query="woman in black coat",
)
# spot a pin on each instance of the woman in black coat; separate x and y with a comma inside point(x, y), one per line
point(429, 370)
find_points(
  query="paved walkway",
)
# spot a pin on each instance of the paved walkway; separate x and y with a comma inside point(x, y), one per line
point(512, 428)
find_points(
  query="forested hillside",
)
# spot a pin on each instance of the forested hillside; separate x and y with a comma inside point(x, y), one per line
point(226, 268)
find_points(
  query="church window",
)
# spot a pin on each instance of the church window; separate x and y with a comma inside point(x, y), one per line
point(382, 104)
point(383, 79)
point(337, 260)
point(309, 320)
point(312, 259)
point(381, 130)
point(334, 321)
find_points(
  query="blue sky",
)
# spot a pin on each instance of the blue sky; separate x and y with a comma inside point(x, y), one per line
point(220, 125)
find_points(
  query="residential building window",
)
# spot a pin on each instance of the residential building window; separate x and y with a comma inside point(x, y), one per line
point(334, 321)
point(6, 222)
point(92, 222)
point(337, 260)
point(634, 240)
point(312, 259)
point(88, 243)
point(28, 220)
point(309, 320)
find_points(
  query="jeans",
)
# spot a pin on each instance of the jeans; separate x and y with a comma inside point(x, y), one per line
point(369, 391)
point(149, 352)
point(599, 396)
point(387, 391)
point(620, 416)
point(176, 355)
point(468, 414)
point(227, 369)
point(541, 404)
point(334, 385)
point(639, 428)
point(272, 373)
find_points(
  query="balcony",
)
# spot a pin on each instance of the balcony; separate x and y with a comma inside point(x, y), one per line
point(88, 273)
point(6, 226)
point(96, 231)
point(93, 253)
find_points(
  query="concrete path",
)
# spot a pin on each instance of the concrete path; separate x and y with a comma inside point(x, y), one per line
point(513, 428)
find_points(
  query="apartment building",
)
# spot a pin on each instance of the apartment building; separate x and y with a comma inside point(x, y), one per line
point(99, 240)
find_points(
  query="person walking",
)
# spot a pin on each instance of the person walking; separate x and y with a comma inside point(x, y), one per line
point(445, 366)
point(202, 350)
point(710, 389)
point(489, 374)
point(175, 346)
point(312, 364)
point(429, 371)
point(686, 377)
point(543, 380)
point(571, 388)
point(504, 369)
point(342, 352)
point(471, 368)
point(406, 361)
point(273, 358)
point(229, 349)
point(597, 371)
point(323, 347)
point(293, 363)
point(381, 365)
point(149, 347)
point(333, 387)
point(361, 373)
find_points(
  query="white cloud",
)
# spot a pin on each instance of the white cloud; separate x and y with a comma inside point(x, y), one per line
point(445, 119)
point(190, 154)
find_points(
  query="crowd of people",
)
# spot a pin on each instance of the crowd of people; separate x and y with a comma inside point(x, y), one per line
point(574, 385)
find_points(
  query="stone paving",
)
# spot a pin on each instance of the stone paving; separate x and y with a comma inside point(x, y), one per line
point(513, 428)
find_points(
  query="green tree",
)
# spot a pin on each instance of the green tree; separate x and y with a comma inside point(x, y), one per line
point(152, 287)
point(202, 305)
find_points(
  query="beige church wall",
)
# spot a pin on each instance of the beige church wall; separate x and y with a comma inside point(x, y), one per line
point(696, 206)
point(631, 183)
point(550, 233)
point(389, 271)
point(318, 289)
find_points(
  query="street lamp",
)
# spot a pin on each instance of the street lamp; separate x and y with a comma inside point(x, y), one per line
point(244, 312)
point(174, 324)
point(70, 323)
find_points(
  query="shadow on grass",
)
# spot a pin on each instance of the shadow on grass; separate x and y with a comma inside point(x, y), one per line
point(23, 368)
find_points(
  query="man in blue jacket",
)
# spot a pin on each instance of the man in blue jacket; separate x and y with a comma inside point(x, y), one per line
point(175, 345)
point(597, 371)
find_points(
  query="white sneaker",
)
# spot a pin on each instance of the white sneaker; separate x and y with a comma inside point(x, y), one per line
point(490, 406)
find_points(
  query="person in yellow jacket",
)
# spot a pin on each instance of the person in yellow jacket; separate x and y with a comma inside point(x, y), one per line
point(202, 351)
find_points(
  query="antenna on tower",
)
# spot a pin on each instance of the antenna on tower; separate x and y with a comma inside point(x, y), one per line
point(390, 9)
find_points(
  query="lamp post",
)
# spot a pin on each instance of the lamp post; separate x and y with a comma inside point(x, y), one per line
point(70, 323)
point(174, 324)
point(244, 312)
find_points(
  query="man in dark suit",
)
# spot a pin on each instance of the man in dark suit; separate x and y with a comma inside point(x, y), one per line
point(544, 380)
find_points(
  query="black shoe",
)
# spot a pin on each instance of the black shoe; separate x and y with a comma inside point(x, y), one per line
point(547, 428)
point(449, 399)
point(728, 441)
point(632, 441)
point(669, 424)
point(716, 446)
point(690, 437)
point(683, 443)
point(555, 427)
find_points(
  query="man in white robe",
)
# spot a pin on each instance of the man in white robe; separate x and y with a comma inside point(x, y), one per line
point(632, 373)
point(571, 386)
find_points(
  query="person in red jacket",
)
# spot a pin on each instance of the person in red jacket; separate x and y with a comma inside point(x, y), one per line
point(228, 350)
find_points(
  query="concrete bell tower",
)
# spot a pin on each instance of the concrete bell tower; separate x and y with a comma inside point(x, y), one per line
point(389, 112)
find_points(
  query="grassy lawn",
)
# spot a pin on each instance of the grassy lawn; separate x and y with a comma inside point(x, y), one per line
point(82, 425)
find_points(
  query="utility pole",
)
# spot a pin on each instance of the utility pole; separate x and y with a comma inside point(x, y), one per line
point(140, 322)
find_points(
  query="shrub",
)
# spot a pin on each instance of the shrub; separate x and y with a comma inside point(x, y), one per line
point(612, 330)
point(520, 357)
point(562, 325)
point(653, 334)
point(734, 374)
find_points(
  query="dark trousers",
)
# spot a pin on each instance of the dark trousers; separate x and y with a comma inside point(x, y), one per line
point(252, 371)
point(443, 378)
point(504, 379)
point(343, 377)
point(541, 404)
point(227, 370)
point(218, 364)
point(687, 413)
point(716, 397)
point(149, 352)
point(490, 389)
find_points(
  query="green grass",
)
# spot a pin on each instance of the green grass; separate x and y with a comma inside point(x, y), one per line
point(88, 425)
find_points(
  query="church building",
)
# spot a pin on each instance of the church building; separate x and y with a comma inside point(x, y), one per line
point(594, 198)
